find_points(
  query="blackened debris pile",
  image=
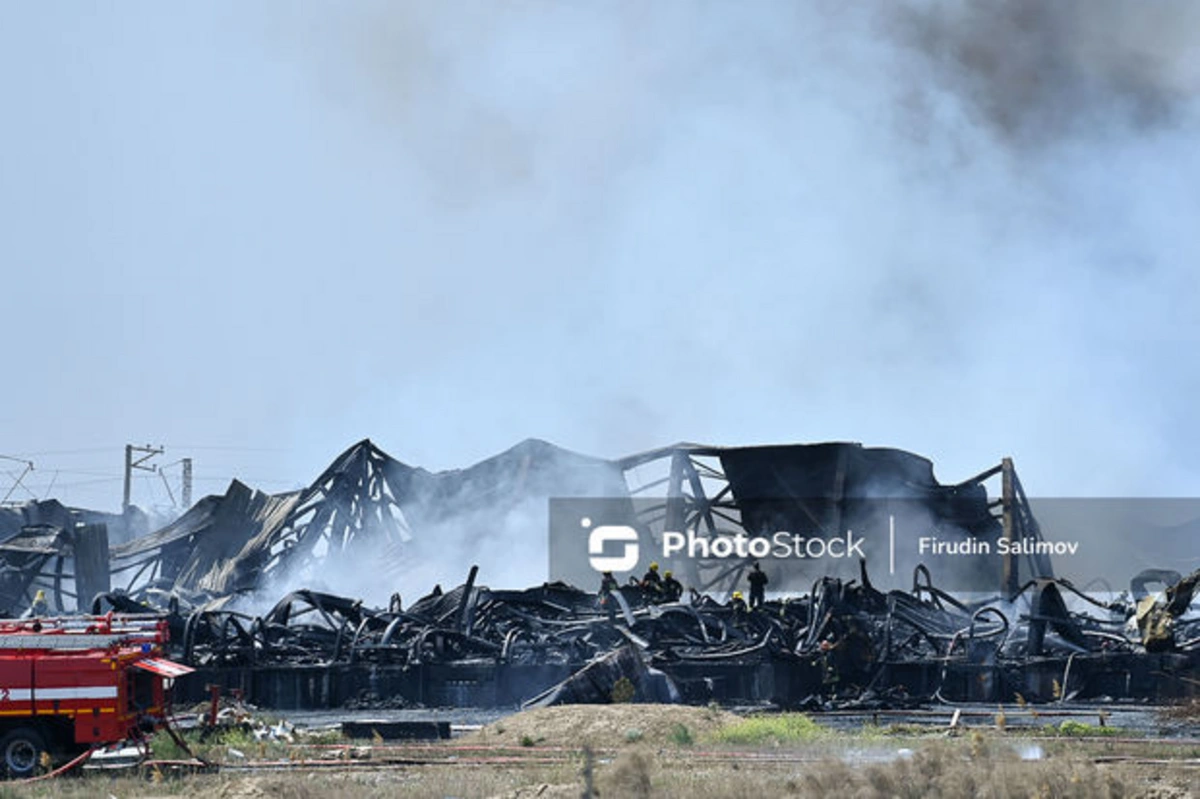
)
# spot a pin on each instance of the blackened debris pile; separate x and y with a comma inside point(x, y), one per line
point(839, 642)
point(846, 644)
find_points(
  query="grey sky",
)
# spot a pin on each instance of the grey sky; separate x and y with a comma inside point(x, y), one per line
point(257, 232)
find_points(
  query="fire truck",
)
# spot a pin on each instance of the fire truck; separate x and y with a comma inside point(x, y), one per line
point(70, 684)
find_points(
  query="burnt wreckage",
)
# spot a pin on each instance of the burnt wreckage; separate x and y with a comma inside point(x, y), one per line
point(852, 636)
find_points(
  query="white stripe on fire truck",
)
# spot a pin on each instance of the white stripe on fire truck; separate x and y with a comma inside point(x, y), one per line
point(50, 694)
point(57, 641)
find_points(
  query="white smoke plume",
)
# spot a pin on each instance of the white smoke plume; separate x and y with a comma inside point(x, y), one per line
point(962, 229)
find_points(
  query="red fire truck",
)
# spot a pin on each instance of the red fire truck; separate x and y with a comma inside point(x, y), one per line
point(68, 684)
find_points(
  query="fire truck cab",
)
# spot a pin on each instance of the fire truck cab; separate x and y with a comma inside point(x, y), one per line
point(68, 684)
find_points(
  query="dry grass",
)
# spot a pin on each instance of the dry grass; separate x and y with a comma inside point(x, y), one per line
point(424, 782)
point(702, 753)
point(1188, 710)
point(981, 769)
point(630, 776)
point(940, 771)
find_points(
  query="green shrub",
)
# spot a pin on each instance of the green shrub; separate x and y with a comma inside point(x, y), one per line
point(681, 735)
point(1078, 729)
point(776, 728)
point(623, 691)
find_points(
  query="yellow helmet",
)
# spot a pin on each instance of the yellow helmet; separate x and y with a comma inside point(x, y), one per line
point(40, 596)
point(667, 573)
point(654, 566)
point(737, 594)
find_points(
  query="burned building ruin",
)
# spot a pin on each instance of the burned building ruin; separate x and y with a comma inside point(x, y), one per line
point(236, 576)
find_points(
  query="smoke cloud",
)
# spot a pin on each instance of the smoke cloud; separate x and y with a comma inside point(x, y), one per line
point(966, 230)
point(919, 225)
point(1036, 73)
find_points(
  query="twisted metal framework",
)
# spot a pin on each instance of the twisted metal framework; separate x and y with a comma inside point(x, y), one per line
point(355, 501)
point(699, 496)
point(238, 541)
point(38, 559)
point(231, 543)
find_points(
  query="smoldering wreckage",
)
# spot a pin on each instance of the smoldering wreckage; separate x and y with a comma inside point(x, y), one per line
point(842, 643)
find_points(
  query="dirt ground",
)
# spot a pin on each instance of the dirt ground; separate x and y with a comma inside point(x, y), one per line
point(641, 772)
point(604, 726)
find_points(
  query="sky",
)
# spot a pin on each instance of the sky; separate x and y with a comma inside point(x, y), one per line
point(255, 233)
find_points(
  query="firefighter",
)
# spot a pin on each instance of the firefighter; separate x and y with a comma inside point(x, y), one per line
point(758, 583)
point(40, 606)
point(608, 585)
point(855, 654)
point(829, 672)
point(738, 604)
point(652, 583)
point(672, 589)
point(830, 641)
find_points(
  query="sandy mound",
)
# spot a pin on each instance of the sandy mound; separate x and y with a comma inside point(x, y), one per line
point(604, 725)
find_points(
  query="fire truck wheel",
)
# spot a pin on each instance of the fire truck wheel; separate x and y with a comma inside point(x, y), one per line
point(22, 751)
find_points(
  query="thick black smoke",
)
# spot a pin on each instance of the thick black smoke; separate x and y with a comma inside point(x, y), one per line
point(1034, 72)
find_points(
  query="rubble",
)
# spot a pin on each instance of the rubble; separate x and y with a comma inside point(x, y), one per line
point(619, 676)
point(840, 643)
point(845, 645)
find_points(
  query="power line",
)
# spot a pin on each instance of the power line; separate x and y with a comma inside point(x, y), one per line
point(53, 480)
point(217, 448)
point(17, 478)
point(90, 482)
point(83, 451)
point(46, 482)
point(18, 483)
point(248, 480)
point(85, 473)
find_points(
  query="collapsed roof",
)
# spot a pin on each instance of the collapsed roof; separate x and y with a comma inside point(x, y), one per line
point(38, 547)
point(369, 507)
point(365, 500)
point(52, 513)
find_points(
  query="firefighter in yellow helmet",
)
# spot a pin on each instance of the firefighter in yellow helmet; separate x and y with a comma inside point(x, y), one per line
point(738, 604)
point(652, 587)
point(672, 589)
point(40, 606)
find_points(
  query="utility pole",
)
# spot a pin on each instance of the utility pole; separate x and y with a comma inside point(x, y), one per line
point(17, 482)
point(187, 483)
point(144, 454)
